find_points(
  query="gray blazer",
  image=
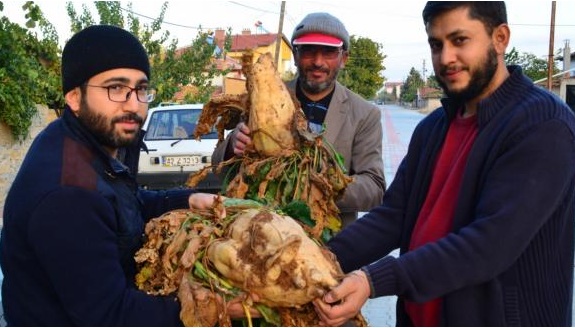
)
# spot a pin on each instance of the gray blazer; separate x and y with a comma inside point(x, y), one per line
point(353, 127)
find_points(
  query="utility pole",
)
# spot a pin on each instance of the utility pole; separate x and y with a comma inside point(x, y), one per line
point(280, 33)
point(551, 42)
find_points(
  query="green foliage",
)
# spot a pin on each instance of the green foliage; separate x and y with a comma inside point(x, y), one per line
point(387, 97)
point(413, 82)
point(78, 22)
point(30, 60)
point(363, 71)
point(110, 13)
point(535, 68)
point(193, 65)
point(432, 82)
point(512, 57)
point(171, 67)
point(29, 70)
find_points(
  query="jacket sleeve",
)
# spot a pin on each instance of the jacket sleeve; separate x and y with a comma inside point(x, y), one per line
point(525, 196)
point(76, 243)
point(368, 187)
point(158, 202)
point(220, 153)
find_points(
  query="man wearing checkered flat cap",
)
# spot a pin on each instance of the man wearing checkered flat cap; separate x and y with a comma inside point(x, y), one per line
point(351, 124)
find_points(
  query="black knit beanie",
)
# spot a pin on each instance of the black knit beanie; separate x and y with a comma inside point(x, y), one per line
point(100, 48)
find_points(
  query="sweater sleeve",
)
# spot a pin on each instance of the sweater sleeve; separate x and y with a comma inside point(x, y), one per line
point(521, 200)
point(76, 245)
point(158, 202)
point(377, 233)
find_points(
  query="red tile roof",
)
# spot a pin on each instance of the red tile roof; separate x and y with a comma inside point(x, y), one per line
point(241, 42)
point(228, 63)
point(392, 84)
point(428, 92)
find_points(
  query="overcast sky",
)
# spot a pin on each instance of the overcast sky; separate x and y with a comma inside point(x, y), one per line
point(396, 25)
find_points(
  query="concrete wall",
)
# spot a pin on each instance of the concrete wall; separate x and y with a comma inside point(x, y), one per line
point(430, 105)
point(12, 152)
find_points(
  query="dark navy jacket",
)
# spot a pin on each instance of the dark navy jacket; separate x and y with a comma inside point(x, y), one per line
point(508, 260)
point(73, 220)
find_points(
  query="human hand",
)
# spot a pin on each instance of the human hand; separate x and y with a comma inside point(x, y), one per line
point(237, 307)
point(202, 201)
point(344, 301)
point(201, 306)
point(241, 139)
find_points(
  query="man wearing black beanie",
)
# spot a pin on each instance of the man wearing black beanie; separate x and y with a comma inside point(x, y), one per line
point(74, 216)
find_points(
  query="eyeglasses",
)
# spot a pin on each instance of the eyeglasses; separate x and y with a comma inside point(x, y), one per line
point(327, 52)
point(121, 93)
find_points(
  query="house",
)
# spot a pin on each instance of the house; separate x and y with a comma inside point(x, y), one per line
point(568, 59)
point(567, 87)
point(234, 81)
point(564, 82)
point(429, 92)
point(259, 43)
point(393, 88)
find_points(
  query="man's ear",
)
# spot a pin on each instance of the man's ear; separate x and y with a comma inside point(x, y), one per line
point(73, 99)
point(501, 36)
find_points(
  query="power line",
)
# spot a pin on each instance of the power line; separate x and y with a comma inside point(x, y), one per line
point(163, 22)
point(291, 18)
point(542, 25)
point(196, 27)
point(256, 9)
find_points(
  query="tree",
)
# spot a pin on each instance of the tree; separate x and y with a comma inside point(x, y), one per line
point(390, 97)
point(172, 68)
point(30, 60)
point(362, 73)
point(432, 82)
point(194, 65)
point(29, 69)
point(412, 83)
point(535, 68)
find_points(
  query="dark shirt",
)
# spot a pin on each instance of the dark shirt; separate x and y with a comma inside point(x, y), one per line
point(315, 111)
point(73, 220)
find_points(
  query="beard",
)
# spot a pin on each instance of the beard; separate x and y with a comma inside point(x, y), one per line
point(313, 87)
point(479, 80)
point(104, 130)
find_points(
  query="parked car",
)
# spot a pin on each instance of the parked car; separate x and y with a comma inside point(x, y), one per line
point(172, 152)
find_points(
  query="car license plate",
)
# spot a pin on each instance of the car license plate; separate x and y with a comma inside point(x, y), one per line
point(182, 160)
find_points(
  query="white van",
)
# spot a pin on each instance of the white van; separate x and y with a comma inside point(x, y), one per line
point(172, 152)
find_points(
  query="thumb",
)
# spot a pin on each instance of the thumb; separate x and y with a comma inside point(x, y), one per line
point(332, 296)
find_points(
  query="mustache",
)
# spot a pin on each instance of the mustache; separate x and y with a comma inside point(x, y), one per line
point(444, 69)
point(318, 69)
point(129, 118)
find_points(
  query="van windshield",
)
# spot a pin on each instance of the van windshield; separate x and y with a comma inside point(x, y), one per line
point(175, 124)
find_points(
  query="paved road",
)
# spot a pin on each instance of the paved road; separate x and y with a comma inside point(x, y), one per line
point(398, 124)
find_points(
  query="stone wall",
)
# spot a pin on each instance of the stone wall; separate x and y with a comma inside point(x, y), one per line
point(13, 151)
